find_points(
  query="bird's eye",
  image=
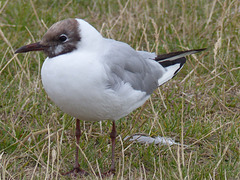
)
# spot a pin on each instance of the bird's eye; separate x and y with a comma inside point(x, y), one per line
point(63, 38)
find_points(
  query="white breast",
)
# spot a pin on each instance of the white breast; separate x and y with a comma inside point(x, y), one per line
point(78, 87)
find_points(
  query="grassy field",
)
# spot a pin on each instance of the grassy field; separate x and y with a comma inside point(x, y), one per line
point(199, 108)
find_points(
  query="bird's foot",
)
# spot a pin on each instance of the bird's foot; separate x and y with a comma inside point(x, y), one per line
point(76, 171)
point(108, 173)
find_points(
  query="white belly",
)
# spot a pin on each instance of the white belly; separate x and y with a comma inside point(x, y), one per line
point(78, 87)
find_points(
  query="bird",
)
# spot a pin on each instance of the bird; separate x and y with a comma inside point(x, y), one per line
point(93, 78)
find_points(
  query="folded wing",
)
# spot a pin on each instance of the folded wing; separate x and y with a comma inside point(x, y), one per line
point(141, 70)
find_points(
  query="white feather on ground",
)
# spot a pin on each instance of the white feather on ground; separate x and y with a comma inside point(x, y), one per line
point(143, 139)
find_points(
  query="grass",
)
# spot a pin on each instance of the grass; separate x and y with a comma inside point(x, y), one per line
point(199, 108)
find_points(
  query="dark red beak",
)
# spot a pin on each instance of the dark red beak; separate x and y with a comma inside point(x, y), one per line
point(31, 47)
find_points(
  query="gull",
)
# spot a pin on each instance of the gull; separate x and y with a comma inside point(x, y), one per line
point(93, 78)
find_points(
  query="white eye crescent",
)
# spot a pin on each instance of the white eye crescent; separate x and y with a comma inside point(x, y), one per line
point(63, 38)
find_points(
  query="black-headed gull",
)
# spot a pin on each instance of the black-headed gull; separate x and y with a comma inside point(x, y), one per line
point(94, 78)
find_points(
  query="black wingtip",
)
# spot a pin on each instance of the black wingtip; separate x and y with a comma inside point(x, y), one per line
point(179, 57)
point(177, 53)
point(198, 50)
point(167, 63)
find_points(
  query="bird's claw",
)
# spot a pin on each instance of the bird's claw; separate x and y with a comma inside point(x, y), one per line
point(108, 173)
point(76, 171)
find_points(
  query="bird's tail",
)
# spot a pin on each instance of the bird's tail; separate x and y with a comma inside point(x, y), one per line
point(173, 63)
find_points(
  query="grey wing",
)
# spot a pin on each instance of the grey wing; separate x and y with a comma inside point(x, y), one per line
point(147, 55)
point(125, 65)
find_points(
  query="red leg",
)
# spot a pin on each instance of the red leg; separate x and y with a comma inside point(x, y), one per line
point(113, 136)
point(77, 169)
